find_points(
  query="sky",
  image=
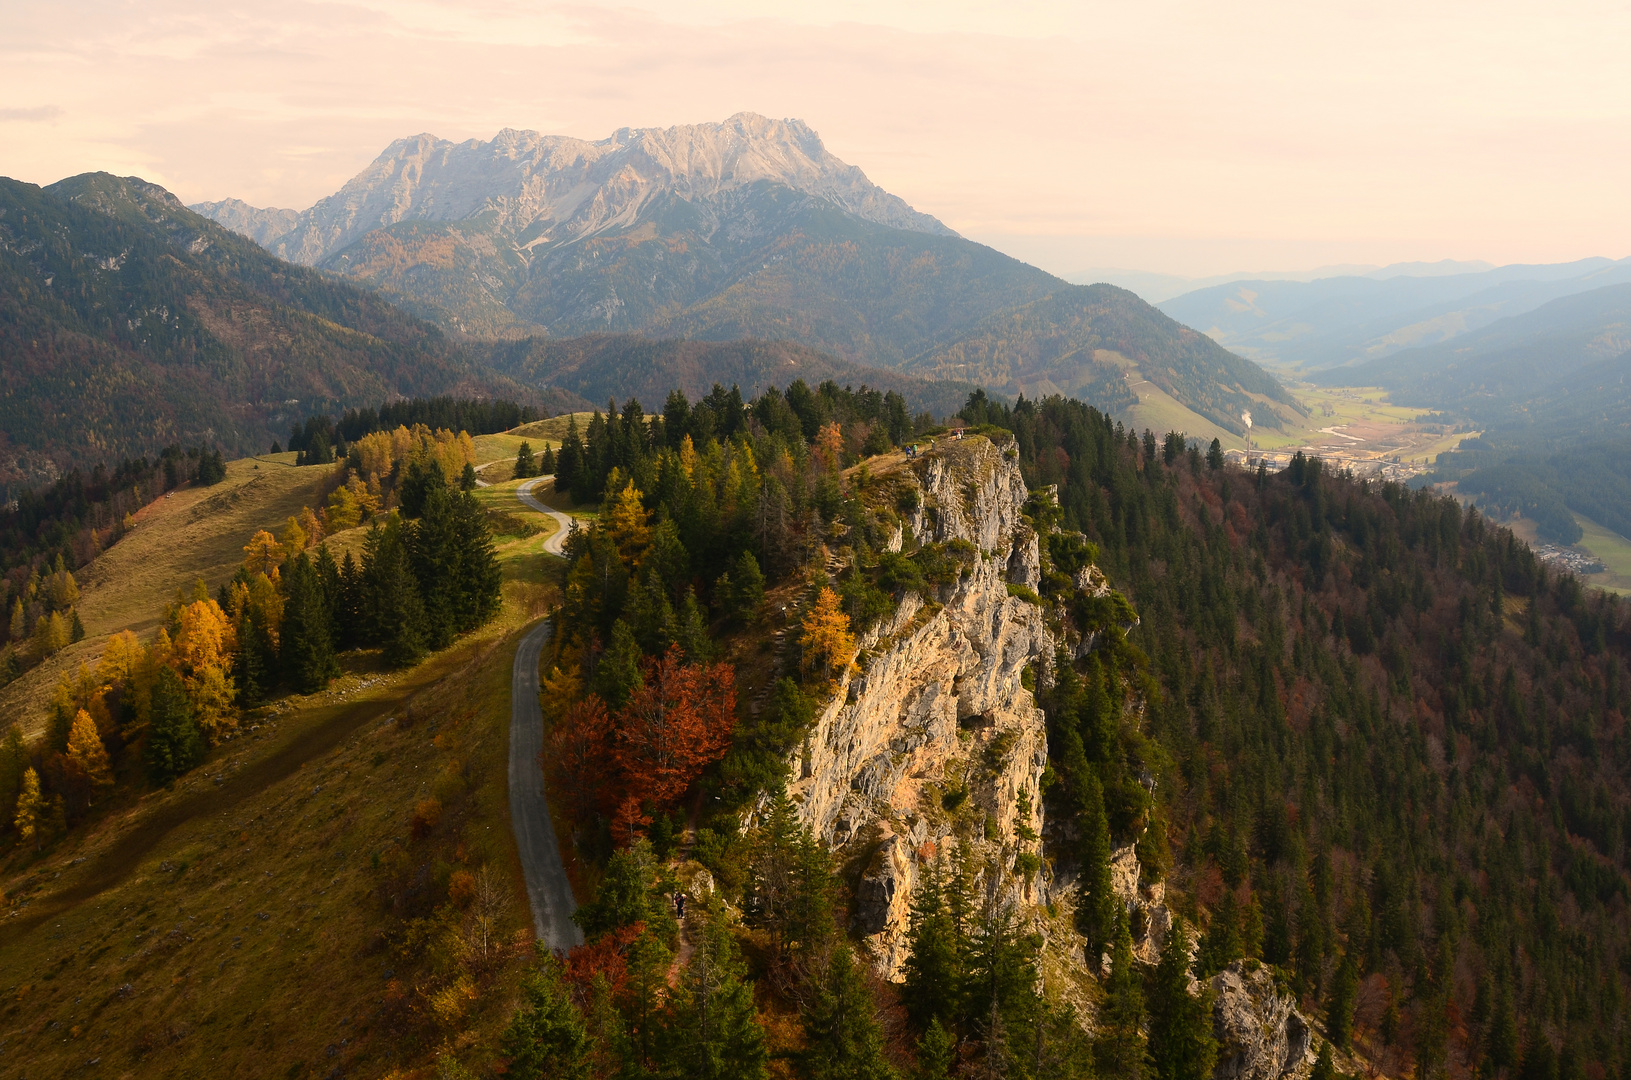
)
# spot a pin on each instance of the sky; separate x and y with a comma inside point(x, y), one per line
point(1178, 137)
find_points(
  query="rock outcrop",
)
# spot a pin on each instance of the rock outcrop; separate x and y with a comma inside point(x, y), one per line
point(936, 731)
point(1261, 1035)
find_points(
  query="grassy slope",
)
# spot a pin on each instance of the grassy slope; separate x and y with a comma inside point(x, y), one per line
point(1612, 550)
point(196, 533)
point(230, 925)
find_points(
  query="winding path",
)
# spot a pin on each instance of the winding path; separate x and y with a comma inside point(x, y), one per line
point(524, 493)
point(548, 890)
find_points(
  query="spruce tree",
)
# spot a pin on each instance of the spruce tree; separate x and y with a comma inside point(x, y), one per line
point(524, 464)
point(546, 461)
point(547, 1038)
point(570, 458)
point(1344, 993)
point(1095, 897)
point(747, 587)
point(713, 1031)
point(349, 611)
point(328, 575)
point(477, 578)
point(306, 649)
point(1182, 1046)
point(618, 673)
point(1118, 1049)
point(174, 744)
point(394, 614)
point(934, 968)
point(433, 553)
point(936, 1053)
point(842, 1038)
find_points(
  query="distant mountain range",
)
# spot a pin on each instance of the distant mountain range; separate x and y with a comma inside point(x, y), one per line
point(128, 322)
point(1333, 322)
point(746, 229)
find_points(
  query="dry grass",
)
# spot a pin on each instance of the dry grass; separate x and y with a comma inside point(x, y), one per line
point(235, 925)
point(194, 533)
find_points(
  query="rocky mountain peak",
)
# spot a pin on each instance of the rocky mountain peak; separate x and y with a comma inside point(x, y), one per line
point(553, 188)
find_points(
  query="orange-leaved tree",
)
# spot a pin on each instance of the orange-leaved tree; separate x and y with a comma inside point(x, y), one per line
point(202, 655)
point(671, 729)
point(576, 757)
point(827, 641)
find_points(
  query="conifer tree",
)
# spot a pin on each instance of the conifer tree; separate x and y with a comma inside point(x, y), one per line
point(570, 459)
point(87, 756)
point(747, 588)
point(477, 577)
point(713, 1031)
point(307, 650)
point(174, 744)
point(349, 608)
point(13, 760)
point(30, 808)
point(432, 552)
point(1344, 990)
point(842, 1039)
point(394, 613)
point(76, 631)
point(1181, 1043)
point(546, 461)
point(18, 627)
point(1324, 1068)
point(524, 464)
point(1118, 1049)
point(467, 478)
point(328, 575)
point(547, 1038)
point(934, 970)
point(618, 673)
point(1095, 898)
point(936, 1053)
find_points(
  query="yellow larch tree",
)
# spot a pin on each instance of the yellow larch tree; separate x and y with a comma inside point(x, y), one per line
point(263, 555)
point(86, 754)
point(202, 654)
point(827, 635)
point(29, 806)
point(629, 524)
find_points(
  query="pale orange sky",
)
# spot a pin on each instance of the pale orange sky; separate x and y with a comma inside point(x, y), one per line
point(1191, 138)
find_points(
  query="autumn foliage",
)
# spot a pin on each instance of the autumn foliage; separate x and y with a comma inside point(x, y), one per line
point(639, 760)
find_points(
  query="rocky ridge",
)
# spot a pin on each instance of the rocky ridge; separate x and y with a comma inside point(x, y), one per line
point(934, 741)
point(936, 733)
point(544, 189)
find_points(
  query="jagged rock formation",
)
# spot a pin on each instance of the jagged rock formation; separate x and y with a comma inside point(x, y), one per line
point(1261, 1035)
point(544, 189)
point(937, 726)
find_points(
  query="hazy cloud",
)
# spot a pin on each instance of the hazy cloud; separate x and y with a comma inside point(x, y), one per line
point(39, 113)
point(1180, 135)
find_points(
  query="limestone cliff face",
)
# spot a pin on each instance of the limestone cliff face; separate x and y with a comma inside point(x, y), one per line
point(935, 728)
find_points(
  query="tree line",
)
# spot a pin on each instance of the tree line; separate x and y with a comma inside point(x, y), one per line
point(427, 574)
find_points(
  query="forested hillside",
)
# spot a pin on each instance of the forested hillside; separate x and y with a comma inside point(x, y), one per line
point(624, 366)
point(1390, 748)
point(129, 323)
point(1087, 341)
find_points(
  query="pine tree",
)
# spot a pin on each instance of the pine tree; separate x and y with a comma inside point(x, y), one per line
point(1095, 897)
point(570, 459)
point(394, 614)
point(432, 552)
point(13, 760)
point(525, 466)
point(30, 808)
point(747, 588)
point(617, 675)
point(713, 1031)
point(934, 969)
point(307, 651)
point(842, 1039)
point(1344, 991)
point(478, 580)
point(174, 744)
point(936, 1053)
point(547, 1038)
point(1181, 1044)
point(1118, 1049)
